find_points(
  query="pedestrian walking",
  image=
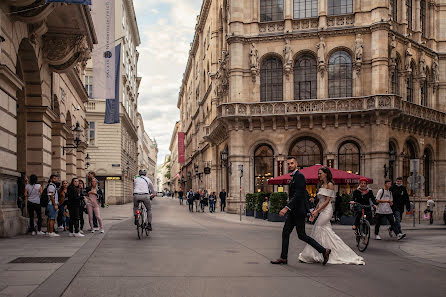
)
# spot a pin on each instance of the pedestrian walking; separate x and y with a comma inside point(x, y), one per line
point(75, 196)
point(384, 199)
point(400, 199)
point(298, 209)
point(430, 204)
point(222, 200)
point(180, 196)
point(61, 217)
point(94, 194)
point(265, 208)
point(364, 196)
point(197, 196)
point(21, 199)
point(190, 200)
point(212, 201)
point(84, 208)
point(53, 204)
point(32, 193)
point(203, 200)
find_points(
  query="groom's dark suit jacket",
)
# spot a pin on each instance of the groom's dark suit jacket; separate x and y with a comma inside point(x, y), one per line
point(298, 204)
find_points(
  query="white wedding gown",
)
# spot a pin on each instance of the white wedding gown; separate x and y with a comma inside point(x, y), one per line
point(324, 234)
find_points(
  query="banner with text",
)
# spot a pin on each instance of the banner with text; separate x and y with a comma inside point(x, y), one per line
point(112, 105)
point(103, 13)
point(84, 2)
point(180, 147)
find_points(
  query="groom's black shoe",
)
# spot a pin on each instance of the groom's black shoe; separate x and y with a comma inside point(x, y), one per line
point(280, 261)
point(326, 256)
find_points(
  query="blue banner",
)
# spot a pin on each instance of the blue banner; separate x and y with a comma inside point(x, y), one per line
point(84, 2)
point(112, 105)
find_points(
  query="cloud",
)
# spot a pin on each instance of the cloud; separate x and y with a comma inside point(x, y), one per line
point(166, 28)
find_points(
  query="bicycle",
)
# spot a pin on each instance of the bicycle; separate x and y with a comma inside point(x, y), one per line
point(141, 220)
point(362, 232)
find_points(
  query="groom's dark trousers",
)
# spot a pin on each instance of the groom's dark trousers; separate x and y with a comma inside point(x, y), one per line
point(298, 208)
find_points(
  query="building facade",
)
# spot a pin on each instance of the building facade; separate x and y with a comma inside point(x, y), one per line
point(163, 175)
point(355, 85)
point(43, 53)
point(147, 151)
point(175, 166)
point(113, 148)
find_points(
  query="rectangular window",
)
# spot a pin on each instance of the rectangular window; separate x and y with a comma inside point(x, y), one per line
point(394, 10)
point(409, 14)
point(337, 7)
point(88, 80)
point(92, 130)
point(423, 17)
point(271, 10)
point(305, 9)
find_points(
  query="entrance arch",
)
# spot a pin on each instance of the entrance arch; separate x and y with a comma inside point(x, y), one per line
point(263, 168)
point(410, 152)
point(307, 150)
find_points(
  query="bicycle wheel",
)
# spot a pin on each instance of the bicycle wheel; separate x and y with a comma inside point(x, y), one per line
point(364, 231)
point(140, 226)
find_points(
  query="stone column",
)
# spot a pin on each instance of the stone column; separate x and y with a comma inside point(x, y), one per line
point(80, 160)
point(379, 153)
point(403, 15)
point(59, 139)
point(236, 53)
point(322, 83)
point(380, 67)
point(71, 164)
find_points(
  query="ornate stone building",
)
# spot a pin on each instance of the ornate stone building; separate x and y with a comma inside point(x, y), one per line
point(113, 148)
point(175, 166)
point(356, 85)
point(147, 151)
point(43, 52)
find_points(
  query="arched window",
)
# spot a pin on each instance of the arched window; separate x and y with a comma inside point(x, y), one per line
point(424, 93)
point(396, 78)
point(263, 168)
point(423, 17)
point(409, 14)
point(410, 153)
point(308, 152)
point(394, 10)
point(305, 9)
point(336, 7)
point(340, 75)
point(349, 157)
point(271, 10)
point(409, 86)
point(392, 159)
point(271, 80)
point(305, 78)
point(427, 171)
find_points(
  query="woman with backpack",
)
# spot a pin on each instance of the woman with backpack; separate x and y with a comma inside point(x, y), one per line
point(33, 191)
point(61, 218)
point(75, 197)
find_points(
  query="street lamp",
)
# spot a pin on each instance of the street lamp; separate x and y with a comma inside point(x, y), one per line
point(87, 164)
point(196, 168)
point(2, 39)
point(224, 156)
point(77, 140)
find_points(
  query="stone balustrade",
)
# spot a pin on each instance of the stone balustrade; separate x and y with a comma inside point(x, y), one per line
point(341, 20)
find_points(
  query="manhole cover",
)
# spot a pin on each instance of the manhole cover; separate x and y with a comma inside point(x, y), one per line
point(40, 260)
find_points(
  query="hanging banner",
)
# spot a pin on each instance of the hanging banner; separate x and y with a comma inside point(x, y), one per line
point(103, 13)
point(180, 147)
point(84, 2)
point(112, 105)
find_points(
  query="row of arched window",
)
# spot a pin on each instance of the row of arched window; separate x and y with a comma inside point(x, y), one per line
point(305, 77)
point(308, 152)
point(272, 10)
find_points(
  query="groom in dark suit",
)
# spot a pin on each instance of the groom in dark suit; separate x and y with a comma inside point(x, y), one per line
point(298, 208)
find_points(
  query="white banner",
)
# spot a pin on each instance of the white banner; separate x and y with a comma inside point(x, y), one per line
point(103, 13)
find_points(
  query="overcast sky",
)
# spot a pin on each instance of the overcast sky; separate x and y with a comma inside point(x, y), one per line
point(166, 28)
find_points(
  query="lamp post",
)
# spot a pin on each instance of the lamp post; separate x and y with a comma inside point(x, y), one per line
point(87, 158)
point(77, 140)
point(240, 168)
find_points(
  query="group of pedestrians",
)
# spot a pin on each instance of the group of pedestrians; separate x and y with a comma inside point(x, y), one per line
point(64, 204)
point(203, 198)
point(389, 204)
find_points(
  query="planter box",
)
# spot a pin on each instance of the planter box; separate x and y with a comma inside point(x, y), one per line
point(275, 217)
point(249, 213)
point(259, 214)
point(350, 220)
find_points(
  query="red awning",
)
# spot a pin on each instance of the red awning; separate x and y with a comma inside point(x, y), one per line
point(339, 177)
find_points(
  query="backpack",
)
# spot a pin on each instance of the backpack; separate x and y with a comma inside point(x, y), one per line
point(44, 199)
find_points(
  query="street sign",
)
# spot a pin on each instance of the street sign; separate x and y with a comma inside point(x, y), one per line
point(415, 182)
point(414, 165)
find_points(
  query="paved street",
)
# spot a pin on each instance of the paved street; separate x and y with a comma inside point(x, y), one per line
point(212, 255)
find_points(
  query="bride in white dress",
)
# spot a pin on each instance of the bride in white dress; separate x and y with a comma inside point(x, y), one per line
point(322, 231)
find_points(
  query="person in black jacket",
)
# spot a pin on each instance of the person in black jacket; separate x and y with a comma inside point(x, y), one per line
point(364, 196)
point(298, 208)
point(74, 194)
point(400, 199)
point(222, 200)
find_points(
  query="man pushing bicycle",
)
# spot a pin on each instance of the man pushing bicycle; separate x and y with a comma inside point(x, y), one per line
point(143, 192)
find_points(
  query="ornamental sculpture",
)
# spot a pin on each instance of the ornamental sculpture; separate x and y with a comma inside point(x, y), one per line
point(359, 50)
point(288, 57)
point(422, 65)
point(393, 55)
point(321, 55)
point(435, 72)
point(409, 55)
point(254, 61)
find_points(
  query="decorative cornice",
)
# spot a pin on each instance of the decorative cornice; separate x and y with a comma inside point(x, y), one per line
point(33, 13)
point(10, 77)
point(78, 85)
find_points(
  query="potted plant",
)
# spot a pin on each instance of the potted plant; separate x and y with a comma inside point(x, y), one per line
point(260, 198)
point(277, 202)
point(347, 217)
point(250, 204)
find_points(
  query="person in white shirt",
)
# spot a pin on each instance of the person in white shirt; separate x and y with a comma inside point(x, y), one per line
point(33, 191)
point(143, 191)
point(384, 199)
point(430, 204)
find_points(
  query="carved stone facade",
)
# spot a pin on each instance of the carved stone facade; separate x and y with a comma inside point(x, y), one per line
point(389, 107)
point(42, 97)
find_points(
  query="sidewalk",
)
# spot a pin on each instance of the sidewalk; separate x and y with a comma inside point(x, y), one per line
point(21, 279)
point(235, 218)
